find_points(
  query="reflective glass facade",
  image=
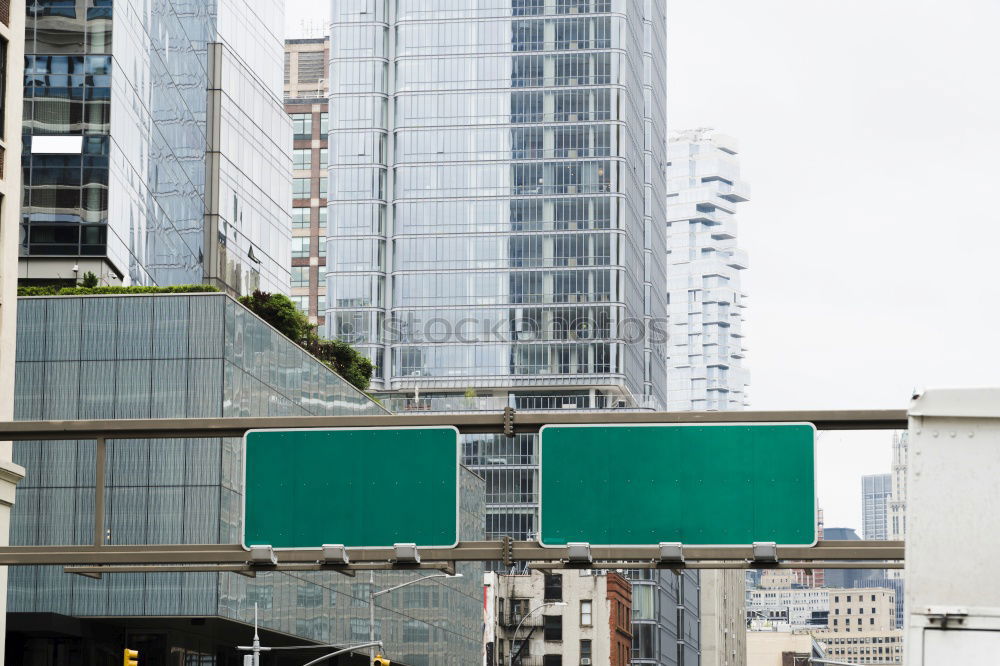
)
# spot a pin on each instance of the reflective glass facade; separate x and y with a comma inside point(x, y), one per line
point(200, 355)
point(156, 147)
point(497, 184)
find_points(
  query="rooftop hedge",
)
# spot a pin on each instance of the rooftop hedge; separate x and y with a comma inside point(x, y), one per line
point(89, 291)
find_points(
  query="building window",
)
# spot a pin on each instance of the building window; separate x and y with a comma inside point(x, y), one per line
point(300, 276)
point(322, 187)
point(553, 587)
point(300, 248)
point(585, 651)
point(302, 125)
point(553, 627)
point(552, 660)
point(323, 212)
point(300, 218)
point(321, 303)
point(324, 158)
point(302, 158)
point(586, 613)
point(324, 124)
point(301, 188)
point(322, 247)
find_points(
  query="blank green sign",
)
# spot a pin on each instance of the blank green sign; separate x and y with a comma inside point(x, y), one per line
point(699, 485)
point(358, 487)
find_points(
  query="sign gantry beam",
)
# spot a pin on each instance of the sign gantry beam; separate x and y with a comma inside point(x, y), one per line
point(480, 422)
point(827, 552)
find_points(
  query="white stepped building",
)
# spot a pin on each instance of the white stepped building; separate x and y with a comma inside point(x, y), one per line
point(706, 300)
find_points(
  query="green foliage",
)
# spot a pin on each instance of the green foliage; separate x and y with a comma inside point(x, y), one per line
point(37, 291)
point(279, 311)
point(94, 291)
point(89, 280)
point(343, 359)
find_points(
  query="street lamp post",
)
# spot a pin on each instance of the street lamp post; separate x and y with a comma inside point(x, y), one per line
point(513, 637)
point(372, 593)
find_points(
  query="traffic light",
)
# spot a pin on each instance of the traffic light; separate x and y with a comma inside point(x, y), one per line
point(131, 658)
point(381, 661)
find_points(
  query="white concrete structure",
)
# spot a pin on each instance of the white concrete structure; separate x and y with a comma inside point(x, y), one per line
point(953, 505)
point(705, 301)
point(12, 37)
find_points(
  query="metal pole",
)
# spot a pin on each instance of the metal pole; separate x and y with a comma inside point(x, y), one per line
point(347, 649)
point(371, 617)
point(99, 492)
point(256, 639)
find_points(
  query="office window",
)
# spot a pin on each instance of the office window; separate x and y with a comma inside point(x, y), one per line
point(300, 248)
point(586, 613)
point(302, 125)
point(552, 626)
point(322, 187)
point(324, 158)
point(324, 124)
point(322, 247)
point(302, 158)
point(321, 303)
point(553, 587)
point(300, 276)
point(300, 218)
point(323, 212)
point(301, 188)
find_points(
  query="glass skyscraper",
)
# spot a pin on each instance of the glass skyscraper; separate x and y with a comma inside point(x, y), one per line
point(177, 356)
point(497, 229)
point(497, 196)
point(156, 148)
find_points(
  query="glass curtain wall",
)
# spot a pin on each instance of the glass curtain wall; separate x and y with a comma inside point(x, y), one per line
point(489, 193)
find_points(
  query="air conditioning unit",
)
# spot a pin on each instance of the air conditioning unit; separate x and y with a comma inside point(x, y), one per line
point(585, 661)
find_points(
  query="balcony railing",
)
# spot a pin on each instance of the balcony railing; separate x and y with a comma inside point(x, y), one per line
point(546, 403)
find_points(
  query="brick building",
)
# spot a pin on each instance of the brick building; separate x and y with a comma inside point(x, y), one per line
point(568, 617)
point(306, 90)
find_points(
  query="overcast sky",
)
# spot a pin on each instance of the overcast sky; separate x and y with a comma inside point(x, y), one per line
point(870, 134)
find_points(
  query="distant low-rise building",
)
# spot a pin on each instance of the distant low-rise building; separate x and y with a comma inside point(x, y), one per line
point(795, 607)
point(873, 647)
point(782, 648)
point(569, 617)
point(862, 609)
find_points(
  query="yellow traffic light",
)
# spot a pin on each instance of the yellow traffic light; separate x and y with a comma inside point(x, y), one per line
point(381, 661)
point(131, 658)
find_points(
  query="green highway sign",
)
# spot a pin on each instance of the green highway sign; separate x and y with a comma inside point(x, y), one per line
point(361, 487)
point(694, 484)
